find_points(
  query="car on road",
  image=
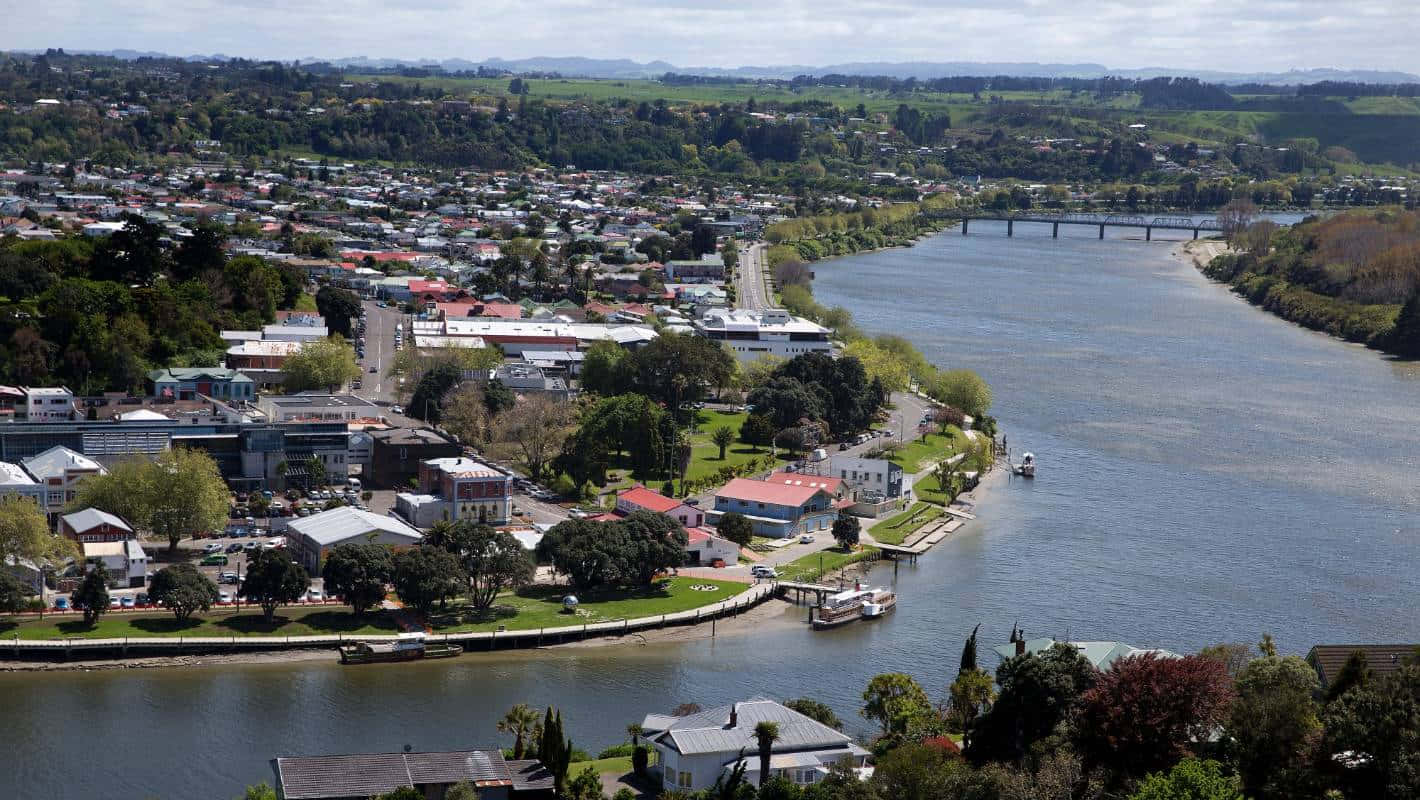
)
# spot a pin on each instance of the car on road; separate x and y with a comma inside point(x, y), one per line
point(227, 577)
point(373, 370)
point(806, 538)
point(398, 409)
point(214, 560)
point(762, 571)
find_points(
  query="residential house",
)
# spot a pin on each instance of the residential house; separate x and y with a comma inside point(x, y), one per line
point(310, 539)
point(348, 777)
point(696, 750)
point(874, 478)
point(777, 510)
point(1100, 654)
point(703, 544)
point(639, 498)
point(60, 471)
point(125, 561)
point(15, 481)
point(395, 454)
point(93, 525)
point(1381, 659)
point(190, 383)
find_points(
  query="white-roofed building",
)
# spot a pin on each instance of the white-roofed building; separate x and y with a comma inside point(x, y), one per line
point(695, 750)
point(15, 481)
point(751, 334)
point(125, 561)
point(93, 525)
point(60, 470)
point(311, 538)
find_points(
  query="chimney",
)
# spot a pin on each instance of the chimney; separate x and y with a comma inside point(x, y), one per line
point(1021, 644)
point(734, 715)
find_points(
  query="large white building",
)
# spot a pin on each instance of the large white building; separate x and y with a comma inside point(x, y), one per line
point(516, 335)
point(751, 334)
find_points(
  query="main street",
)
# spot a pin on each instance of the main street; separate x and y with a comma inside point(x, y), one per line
point(751, 282)
point(378, 386)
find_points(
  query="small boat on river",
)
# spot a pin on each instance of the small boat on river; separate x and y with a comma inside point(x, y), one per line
point(841, 609)
point(1026, 469)
point(408, 647)
point(879, 603)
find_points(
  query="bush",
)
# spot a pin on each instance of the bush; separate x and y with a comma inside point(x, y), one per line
point(640, 759)
point(34, 604)
point(563, 486)
point(617, 751)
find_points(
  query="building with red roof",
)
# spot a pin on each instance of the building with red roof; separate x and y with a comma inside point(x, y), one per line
point(639, 498)
point(834, 486)
point(778, 510)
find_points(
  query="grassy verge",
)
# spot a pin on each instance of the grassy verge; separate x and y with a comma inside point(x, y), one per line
point(815, 565)
point(916, 455)
point(534, 607)
point(541, 606)
point(895, 530)
point(616, 766)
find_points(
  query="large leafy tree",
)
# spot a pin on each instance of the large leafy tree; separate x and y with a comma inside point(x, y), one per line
point(24, 533)
point(533, 431)
point(963, 389)
point(815, 710)
point(1273, 727)
point(182, 590)
point(324, 364)
point(655, 543)
point(1038, 692)
point(605, 369)
point(845, 531)
point(785, 401)
point(176, 495)
point(434, 386)
point(675, 369)
point(358, 572)
point(339, 307)
point(1190, 779)
point(14, 593)
point(735, 527)
point(273, 579)
point(1378, 724)
point(494, 561)
point(894, 700)
point(1144, 713)
point(591, 554)
point(424, 576)
point(758, 429)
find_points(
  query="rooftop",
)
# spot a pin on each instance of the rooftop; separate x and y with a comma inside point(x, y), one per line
point(91, 518)
point(365, 775)
point(766, 492)
point(57, 460)
point(465, 468)
point(730, 729)
point(339, 524)
point(642, 497)
point(408, 436)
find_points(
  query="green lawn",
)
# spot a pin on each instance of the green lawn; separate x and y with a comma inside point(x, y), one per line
point(541, 606)
point(896, 529)
point(916, 455)
point(815, 565)
point(616, 766)
point(306, 302)
point(291, 621)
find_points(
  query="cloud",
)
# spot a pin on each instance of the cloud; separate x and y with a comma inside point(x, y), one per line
point(1199, 34)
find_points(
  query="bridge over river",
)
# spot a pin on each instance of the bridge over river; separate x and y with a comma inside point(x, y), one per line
point(1102, 221)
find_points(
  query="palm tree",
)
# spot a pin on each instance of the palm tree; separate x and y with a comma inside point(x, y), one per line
point(766, 734)
point(441, 534)
point(519, 721)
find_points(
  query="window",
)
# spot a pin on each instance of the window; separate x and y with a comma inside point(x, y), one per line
point(685, 780)
point(670, 775)
point(761, 506)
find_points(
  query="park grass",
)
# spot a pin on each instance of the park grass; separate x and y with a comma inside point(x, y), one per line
point(896, 529)
point(602, 766)
point(289, 621)
point(814, 566)
point(918, 454)
point(540, 606)
point(306, 302)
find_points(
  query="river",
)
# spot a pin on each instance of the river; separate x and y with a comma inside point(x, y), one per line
point(1207, 473)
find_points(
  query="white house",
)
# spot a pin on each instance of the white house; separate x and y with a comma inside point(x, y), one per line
point(870, 475)
point(694, 750)
point(125, 561)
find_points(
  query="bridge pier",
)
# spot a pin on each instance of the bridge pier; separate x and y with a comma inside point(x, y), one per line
point(1055, 230)
point(965, 222)
point(1148, 233)
point(1101, 230)
point(1010, 228)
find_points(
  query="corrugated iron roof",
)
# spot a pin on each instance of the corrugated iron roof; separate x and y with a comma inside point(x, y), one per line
point(368, 774)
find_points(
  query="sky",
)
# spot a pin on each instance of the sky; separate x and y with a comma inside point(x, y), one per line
point(1230, 35)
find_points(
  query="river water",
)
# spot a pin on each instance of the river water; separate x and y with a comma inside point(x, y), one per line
point(1207, 473)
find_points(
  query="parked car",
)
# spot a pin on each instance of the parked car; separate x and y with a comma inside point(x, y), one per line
point(113, 603)
point(314, 595)
point(126, 602)
point(249, 546)
point(61, 603)
point(227, 577)
point(762, 571)
point(214, 560)
point(224, 599)
point(373, 370)
point(806, 538)
point(234, 547)
point(212, 548)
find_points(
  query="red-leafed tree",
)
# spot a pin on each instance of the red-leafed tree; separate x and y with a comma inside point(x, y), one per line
point(1145, 712)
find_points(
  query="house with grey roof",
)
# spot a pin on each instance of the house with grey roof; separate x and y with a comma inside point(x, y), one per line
point(360, 775)
point(310, 539)
point(60, 471)
point(695, 750)
point(1101, 655)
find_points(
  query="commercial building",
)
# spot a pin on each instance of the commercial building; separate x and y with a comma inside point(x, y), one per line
point(395, 455)
point(93, 525)
point(50, 404)
point(469, 489)
point(696, 750)
point(516, 336)
point(777, 510)
point(317, 407)
point(310, 539)
point(751, 334)
point(190, 383)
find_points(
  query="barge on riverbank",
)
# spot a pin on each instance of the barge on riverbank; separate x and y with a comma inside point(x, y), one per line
point(408, 647)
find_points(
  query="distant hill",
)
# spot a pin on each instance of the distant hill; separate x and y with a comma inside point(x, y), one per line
point(621, 68)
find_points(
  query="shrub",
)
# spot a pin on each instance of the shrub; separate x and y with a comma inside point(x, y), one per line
point(640, 759)
point(617, 751)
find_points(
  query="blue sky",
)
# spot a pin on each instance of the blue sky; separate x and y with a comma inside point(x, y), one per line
point(1237, 35)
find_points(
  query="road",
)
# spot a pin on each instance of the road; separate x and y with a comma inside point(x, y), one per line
point(751, 283)
point(380, 324)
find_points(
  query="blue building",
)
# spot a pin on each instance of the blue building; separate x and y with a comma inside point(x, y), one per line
point(186, 383)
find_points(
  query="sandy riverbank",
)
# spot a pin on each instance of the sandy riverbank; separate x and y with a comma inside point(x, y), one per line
point(151, 662)
point(1199, 252)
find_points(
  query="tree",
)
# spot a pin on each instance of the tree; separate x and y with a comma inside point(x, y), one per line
point(736, 528)
point(492, 560)
point(534, 430)
point(916, 771)
point(962, 389)
point(182, 590)
point(893, 700)
point(358, 573)
point(466, 416)
point(186, 495)
point(1378, 725)
point(605, 369)
point(757, 430)
point(786, 401)
point(497, 397)
point(1190, 779)
point(723, 437)
point(1404, 338)
point(463, 790)
point(765, 735)
point(1233, 656)
point(655, 543)
point(1144, 712)
point(92, 593)
point(273, 579)
point(816, 711)
point(675, 369)
point(880, 364)
point(434, 385)
point(971, 691)
point(587, 785)
point(555, 750)
point(426, 575)
point(339, 307)
point(1037, 692)
point(1355, 673)
point(968, 653)
point(325, 364)
point(519, 721)
point(1235, 217)
point(260, 792)
point(845, 531)
point(25, 536)
point(14, 593)
point(1273, 726)
point(590, 554)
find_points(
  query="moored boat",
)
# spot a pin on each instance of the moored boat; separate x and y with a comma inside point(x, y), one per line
point(880, 602)
point(1026, 468)
point(841, 608)
point(408, 647)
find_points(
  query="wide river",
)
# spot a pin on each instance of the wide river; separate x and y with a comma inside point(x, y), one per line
point(1207, 473)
